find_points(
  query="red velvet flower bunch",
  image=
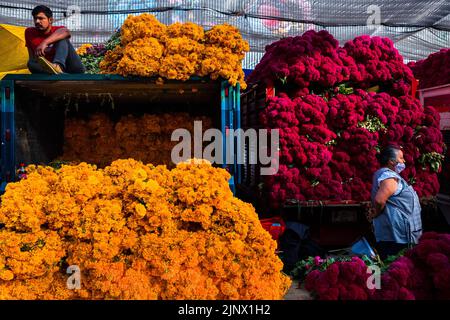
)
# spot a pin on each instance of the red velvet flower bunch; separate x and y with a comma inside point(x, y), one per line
point(333, 144)
point(379, 63)
point(433, 255)
point(434, 70)
point(312, 59)
point(422, 273)
point(292, 183)
point(332, 122)
point(345, 280)
point(404, 280)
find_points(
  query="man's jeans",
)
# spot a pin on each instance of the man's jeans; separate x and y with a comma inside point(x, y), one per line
point(65, 56)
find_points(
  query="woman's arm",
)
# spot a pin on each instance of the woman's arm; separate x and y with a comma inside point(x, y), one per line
point(60, 34)
point(386, 190)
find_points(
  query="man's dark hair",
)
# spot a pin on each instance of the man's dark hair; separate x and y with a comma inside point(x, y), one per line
point(46, 10)
point(388, 153)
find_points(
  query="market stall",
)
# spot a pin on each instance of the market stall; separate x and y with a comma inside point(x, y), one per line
point(90, 187)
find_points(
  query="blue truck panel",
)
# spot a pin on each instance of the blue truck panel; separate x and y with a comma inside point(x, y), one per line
point(7, 133)
point(229, 111)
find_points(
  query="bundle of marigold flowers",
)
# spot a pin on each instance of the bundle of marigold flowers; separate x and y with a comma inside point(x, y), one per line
point(183, 51)
point(82, 50)
point(179, 51)
point(141, 57)
point(224, 51)
point(99, 140)
point(134, 231)
point(140, 50)
point(142, 26)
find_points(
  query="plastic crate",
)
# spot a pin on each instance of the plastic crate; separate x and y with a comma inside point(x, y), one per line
point(32, 132)
point(333, 224)
point(252, 102)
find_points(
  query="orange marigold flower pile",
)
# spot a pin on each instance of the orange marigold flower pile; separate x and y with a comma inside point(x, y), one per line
point(141, 26)
point(224, 51)
point(141, 48)
point(183, 51)
point(179, 51)
point(111, 60)
point(83, 48)
point(136, 232)
point(141, 57)
point(99, 140)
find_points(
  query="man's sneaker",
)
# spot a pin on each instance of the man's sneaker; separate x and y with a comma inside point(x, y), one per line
point(52, 68)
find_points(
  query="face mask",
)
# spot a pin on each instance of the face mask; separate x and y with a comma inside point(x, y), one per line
point(399, 167)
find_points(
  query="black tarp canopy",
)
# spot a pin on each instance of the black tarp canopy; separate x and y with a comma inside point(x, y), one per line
point(417, 27)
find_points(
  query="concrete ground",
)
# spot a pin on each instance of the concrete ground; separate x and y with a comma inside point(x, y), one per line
point(296, 293)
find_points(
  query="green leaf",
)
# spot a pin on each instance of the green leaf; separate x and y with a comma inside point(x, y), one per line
point(435, 166)
point(26, 247)
point(114, 41)
point(374, 89)
point(315, 183)
point(40, 243)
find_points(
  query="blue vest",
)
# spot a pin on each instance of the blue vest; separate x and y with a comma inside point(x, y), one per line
point(400, 220)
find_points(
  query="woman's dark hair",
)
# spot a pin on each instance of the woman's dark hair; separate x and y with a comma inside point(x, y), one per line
point(388, 153)
point(46, 10)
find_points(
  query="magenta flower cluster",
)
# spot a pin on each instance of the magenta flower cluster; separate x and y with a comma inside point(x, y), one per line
point(335, 108)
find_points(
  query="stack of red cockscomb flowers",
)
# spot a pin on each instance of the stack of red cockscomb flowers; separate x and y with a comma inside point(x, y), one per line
point(336, 107)
point(313, 59)
point(422, 273)
point(345, 280)
point(434, 70)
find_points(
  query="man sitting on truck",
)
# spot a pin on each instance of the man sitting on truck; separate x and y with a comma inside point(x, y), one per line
point(49, 48)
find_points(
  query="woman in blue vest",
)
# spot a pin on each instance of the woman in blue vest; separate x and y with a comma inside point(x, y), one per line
point(397, 222)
